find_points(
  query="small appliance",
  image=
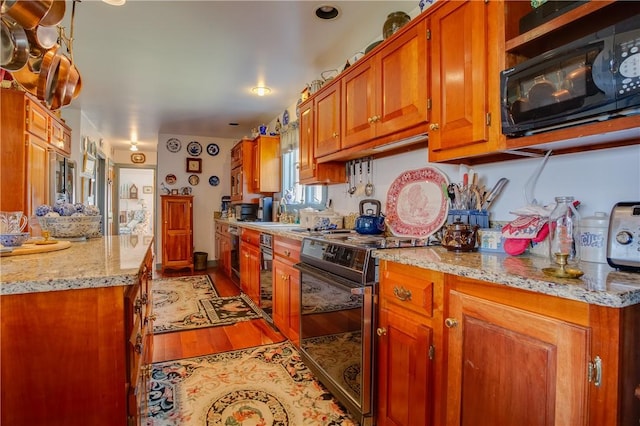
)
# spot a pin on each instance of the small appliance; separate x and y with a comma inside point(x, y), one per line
point(594, 78)
point(265, 205)
point(623, 248)
point(246, 212)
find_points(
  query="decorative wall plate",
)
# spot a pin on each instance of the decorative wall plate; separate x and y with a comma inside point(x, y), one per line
point(285, 117)
point(194, 148)
point(170, 179)
point(213, 149)
point(138, 158)
point(174, 145)
point(194, 180)
point(417, 204)
point(214, 180)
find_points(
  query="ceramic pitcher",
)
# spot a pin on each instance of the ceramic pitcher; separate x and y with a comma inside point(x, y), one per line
point(12, 222)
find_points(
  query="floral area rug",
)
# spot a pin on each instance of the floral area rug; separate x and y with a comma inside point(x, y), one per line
point(263, 386)
point(186, 303)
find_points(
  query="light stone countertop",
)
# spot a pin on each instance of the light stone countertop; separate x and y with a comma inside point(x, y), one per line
point(97, 262)
point(600, 284)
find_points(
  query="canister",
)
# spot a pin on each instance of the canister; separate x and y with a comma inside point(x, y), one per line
point(593, 237)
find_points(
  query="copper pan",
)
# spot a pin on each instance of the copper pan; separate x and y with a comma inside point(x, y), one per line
point(55, 14)
point(48, 76)
point(27, 13)
point(27, 77)
point(68, 78)
point(14, 49)
point(41, 39)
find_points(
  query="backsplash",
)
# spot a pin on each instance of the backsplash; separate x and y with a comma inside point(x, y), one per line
point(599, 179)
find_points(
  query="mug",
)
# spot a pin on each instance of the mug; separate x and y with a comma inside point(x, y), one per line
point(12, 222)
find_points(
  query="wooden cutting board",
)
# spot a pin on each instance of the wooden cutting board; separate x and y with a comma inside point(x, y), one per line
point(32, 248)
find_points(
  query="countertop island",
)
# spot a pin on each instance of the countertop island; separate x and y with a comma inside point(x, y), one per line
point(97, 262)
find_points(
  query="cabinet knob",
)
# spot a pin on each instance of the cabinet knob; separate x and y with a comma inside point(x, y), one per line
point(335, 134)
point(451, 322)
point(287, 253)
point(434, 126)
point(370, 120)
point(402, 293)
point(381, 331)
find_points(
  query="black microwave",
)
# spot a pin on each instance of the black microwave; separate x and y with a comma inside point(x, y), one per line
point(594, 78)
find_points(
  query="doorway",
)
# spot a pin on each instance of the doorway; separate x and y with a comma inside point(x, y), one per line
point(134, 206)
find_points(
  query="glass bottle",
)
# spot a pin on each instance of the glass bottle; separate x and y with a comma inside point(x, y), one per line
point(564, 231)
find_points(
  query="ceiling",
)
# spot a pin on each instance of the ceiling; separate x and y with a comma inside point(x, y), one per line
point(188, 67)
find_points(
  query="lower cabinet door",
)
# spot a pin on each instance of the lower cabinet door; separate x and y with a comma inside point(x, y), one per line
point(507, 366)
point(404, 371)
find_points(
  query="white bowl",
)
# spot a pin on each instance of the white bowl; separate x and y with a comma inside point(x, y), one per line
point(71, 226)
point(14, 239)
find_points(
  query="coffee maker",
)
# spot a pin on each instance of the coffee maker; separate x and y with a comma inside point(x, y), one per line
point(264, 209)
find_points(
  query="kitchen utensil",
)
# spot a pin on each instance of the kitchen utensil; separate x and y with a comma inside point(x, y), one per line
point(370, 221)
point(459, 236)
point(48, 76)
point(14, 52)
point(27, 13)
point(530, 185)
point(55, 14)
point(368, 188)
point(65, 88)
point(360, 185)
point(352, 179)
point(41, 39)
point(494, 193)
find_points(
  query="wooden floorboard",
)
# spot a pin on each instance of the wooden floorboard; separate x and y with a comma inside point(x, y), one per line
point(210, 340)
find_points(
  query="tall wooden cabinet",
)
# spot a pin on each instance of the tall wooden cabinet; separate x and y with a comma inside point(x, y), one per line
point(177, 232)
point(29, 132)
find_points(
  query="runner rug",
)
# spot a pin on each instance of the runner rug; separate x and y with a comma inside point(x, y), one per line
point(185, 303)
point(267, 386)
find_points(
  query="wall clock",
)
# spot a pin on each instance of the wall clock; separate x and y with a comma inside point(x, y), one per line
point(194, 165)
point(138, 158)
point(213, 149)
point(174, 145)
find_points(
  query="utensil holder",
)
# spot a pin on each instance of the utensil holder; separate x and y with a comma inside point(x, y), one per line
point(471, 217)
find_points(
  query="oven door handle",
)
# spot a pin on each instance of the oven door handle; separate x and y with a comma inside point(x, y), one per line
point(329, 278)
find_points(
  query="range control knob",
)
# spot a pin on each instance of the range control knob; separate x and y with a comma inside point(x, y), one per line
point(624, 237)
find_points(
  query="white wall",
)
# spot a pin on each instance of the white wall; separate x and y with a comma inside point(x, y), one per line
point(206, 198)
point(598, 179)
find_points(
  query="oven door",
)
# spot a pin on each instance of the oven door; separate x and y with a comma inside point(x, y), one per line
point(336, 336)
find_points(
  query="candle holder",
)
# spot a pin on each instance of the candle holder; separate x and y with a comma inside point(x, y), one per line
point(563, 271)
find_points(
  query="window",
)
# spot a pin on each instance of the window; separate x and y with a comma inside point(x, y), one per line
point(293, 193)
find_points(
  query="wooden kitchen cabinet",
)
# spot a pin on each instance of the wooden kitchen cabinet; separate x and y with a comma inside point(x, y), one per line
point(327, 120)
point(250, 264)
point(310, 171)
point(25, 146)
point(177, 232)
point(265, 176)
point(387, 93)
point(60, 136)
point(286, 288)
point(409, 348)
point(461, 65)
point(223, 247)
point(78, 357)
point(241, 171)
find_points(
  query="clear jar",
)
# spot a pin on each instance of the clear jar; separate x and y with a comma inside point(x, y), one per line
point(564, 232)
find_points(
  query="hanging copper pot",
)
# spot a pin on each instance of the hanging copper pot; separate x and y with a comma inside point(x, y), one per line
point(65, 88)
point(48, 76)
point(14, 52)
point(55, 14)
point(27, 13)
point(41, 39)
point(27, 77)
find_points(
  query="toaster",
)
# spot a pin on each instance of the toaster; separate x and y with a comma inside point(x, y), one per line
point(623, 247)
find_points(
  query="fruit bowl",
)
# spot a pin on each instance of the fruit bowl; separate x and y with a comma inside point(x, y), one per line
point(71, 226)
point(14, 239)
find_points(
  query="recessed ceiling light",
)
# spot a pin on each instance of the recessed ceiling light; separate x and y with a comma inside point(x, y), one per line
point(233, 123)
point(261, 90)
point(327, 11)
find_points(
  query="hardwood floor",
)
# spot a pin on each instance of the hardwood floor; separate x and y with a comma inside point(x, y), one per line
point(204, 341)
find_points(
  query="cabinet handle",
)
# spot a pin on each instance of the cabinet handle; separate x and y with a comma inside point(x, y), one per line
point(137, 306)
point(595, 371)
point(138, 346)
point(434, 126)
point(402, 293)
point(451, 322)
point(381, 331)
point(287, 253)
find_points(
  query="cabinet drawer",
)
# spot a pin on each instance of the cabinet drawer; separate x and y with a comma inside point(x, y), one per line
point(409, 287)
point(222, 228)
point(37, 120)
point(250, 236)
point(287, 249)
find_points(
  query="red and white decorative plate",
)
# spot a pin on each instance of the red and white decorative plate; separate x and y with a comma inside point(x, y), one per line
point(417, 203)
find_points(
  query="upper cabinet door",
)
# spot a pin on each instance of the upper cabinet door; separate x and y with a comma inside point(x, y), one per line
point(327, 120)
point(459, 75)
point(358, 104)
point(402, 75)
point(307, 159)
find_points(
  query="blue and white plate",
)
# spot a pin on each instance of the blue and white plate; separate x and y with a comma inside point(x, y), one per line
point(214, 180)
point(174, 145)
point(194, 148)
point(285, 117)
point(213, 149)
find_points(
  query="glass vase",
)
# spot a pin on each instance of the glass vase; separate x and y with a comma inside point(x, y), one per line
point(394, 22)
point(564, 231)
